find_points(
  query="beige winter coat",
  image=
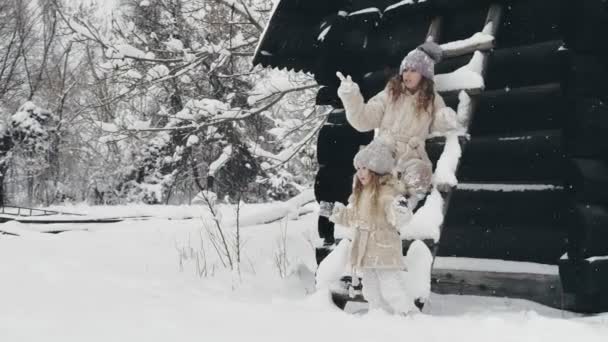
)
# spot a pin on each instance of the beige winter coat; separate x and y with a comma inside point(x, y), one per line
point(397, 121)
point(376, 241)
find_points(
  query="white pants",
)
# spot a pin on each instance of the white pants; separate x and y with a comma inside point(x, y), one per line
point(385, 289)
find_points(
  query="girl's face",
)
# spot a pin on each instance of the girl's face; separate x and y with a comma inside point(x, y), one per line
point(364, 176)
point(411, 79)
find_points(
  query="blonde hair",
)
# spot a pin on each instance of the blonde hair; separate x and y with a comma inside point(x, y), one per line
point(375, 183)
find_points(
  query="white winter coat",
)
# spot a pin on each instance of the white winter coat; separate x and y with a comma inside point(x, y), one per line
point(397, 122)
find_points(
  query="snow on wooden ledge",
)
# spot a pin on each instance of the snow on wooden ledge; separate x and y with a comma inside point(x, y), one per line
point(478, 41)
point(467, 77)
point(493, 265)
point(445, 173)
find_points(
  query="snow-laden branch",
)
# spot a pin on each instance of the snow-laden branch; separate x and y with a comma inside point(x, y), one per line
point(221, 161)
point(242, 9)
point(229, 115)
point(288, 153)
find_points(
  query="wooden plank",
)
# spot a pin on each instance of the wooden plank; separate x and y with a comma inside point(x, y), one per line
point(522, 157)
point(495, 208)
point(51, 221)
point(541, 288)
point(526, 65)
point(534, 157)
point(526, 243)
point(522, 109)
point(31, 210)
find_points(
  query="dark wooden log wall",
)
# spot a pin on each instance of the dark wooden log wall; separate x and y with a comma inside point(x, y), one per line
point(541, 119)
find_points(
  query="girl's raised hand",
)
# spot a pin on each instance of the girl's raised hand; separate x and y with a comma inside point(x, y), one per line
point(346, 84)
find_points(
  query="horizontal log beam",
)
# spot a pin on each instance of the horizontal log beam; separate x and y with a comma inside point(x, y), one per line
point(535, 157)
point(515, 243)
point(540, 288)
point(494, 209)
point(521, 109)
point(526, 65)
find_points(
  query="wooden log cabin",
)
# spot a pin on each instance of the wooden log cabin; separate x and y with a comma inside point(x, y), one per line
point(533, 175)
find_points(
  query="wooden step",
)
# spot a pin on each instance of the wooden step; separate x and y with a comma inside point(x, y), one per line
point(521, 109)
point(527, 65)
point(507, 242)
point(534, 157)
point(541, 288)
point(510, 224)
point(495, 278)
point(513, 205)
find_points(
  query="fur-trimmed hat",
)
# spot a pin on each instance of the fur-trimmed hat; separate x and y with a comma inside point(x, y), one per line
point(423, 59)
point(378, 156)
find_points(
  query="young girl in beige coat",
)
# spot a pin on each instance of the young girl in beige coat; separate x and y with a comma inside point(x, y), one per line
point(405, 113)
point(374, 211)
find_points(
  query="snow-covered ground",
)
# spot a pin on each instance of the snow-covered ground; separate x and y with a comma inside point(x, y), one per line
point(126, 281)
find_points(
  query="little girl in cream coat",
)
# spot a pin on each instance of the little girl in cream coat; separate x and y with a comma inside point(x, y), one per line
point(375, 209)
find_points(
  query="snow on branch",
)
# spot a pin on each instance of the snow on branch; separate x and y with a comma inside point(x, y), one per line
point(285, 155)
point(241, 8)
point(290, 209)
point(221, 161)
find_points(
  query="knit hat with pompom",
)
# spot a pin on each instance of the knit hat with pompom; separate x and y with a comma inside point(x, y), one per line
point(378, 157)
point(423, 59)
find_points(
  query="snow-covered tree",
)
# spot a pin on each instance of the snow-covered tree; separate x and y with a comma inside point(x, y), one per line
point(151, 103)
point(185, 92)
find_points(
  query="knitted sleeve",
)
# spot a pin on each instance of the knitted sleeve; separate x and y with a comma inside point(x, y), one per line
point(364, 116)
